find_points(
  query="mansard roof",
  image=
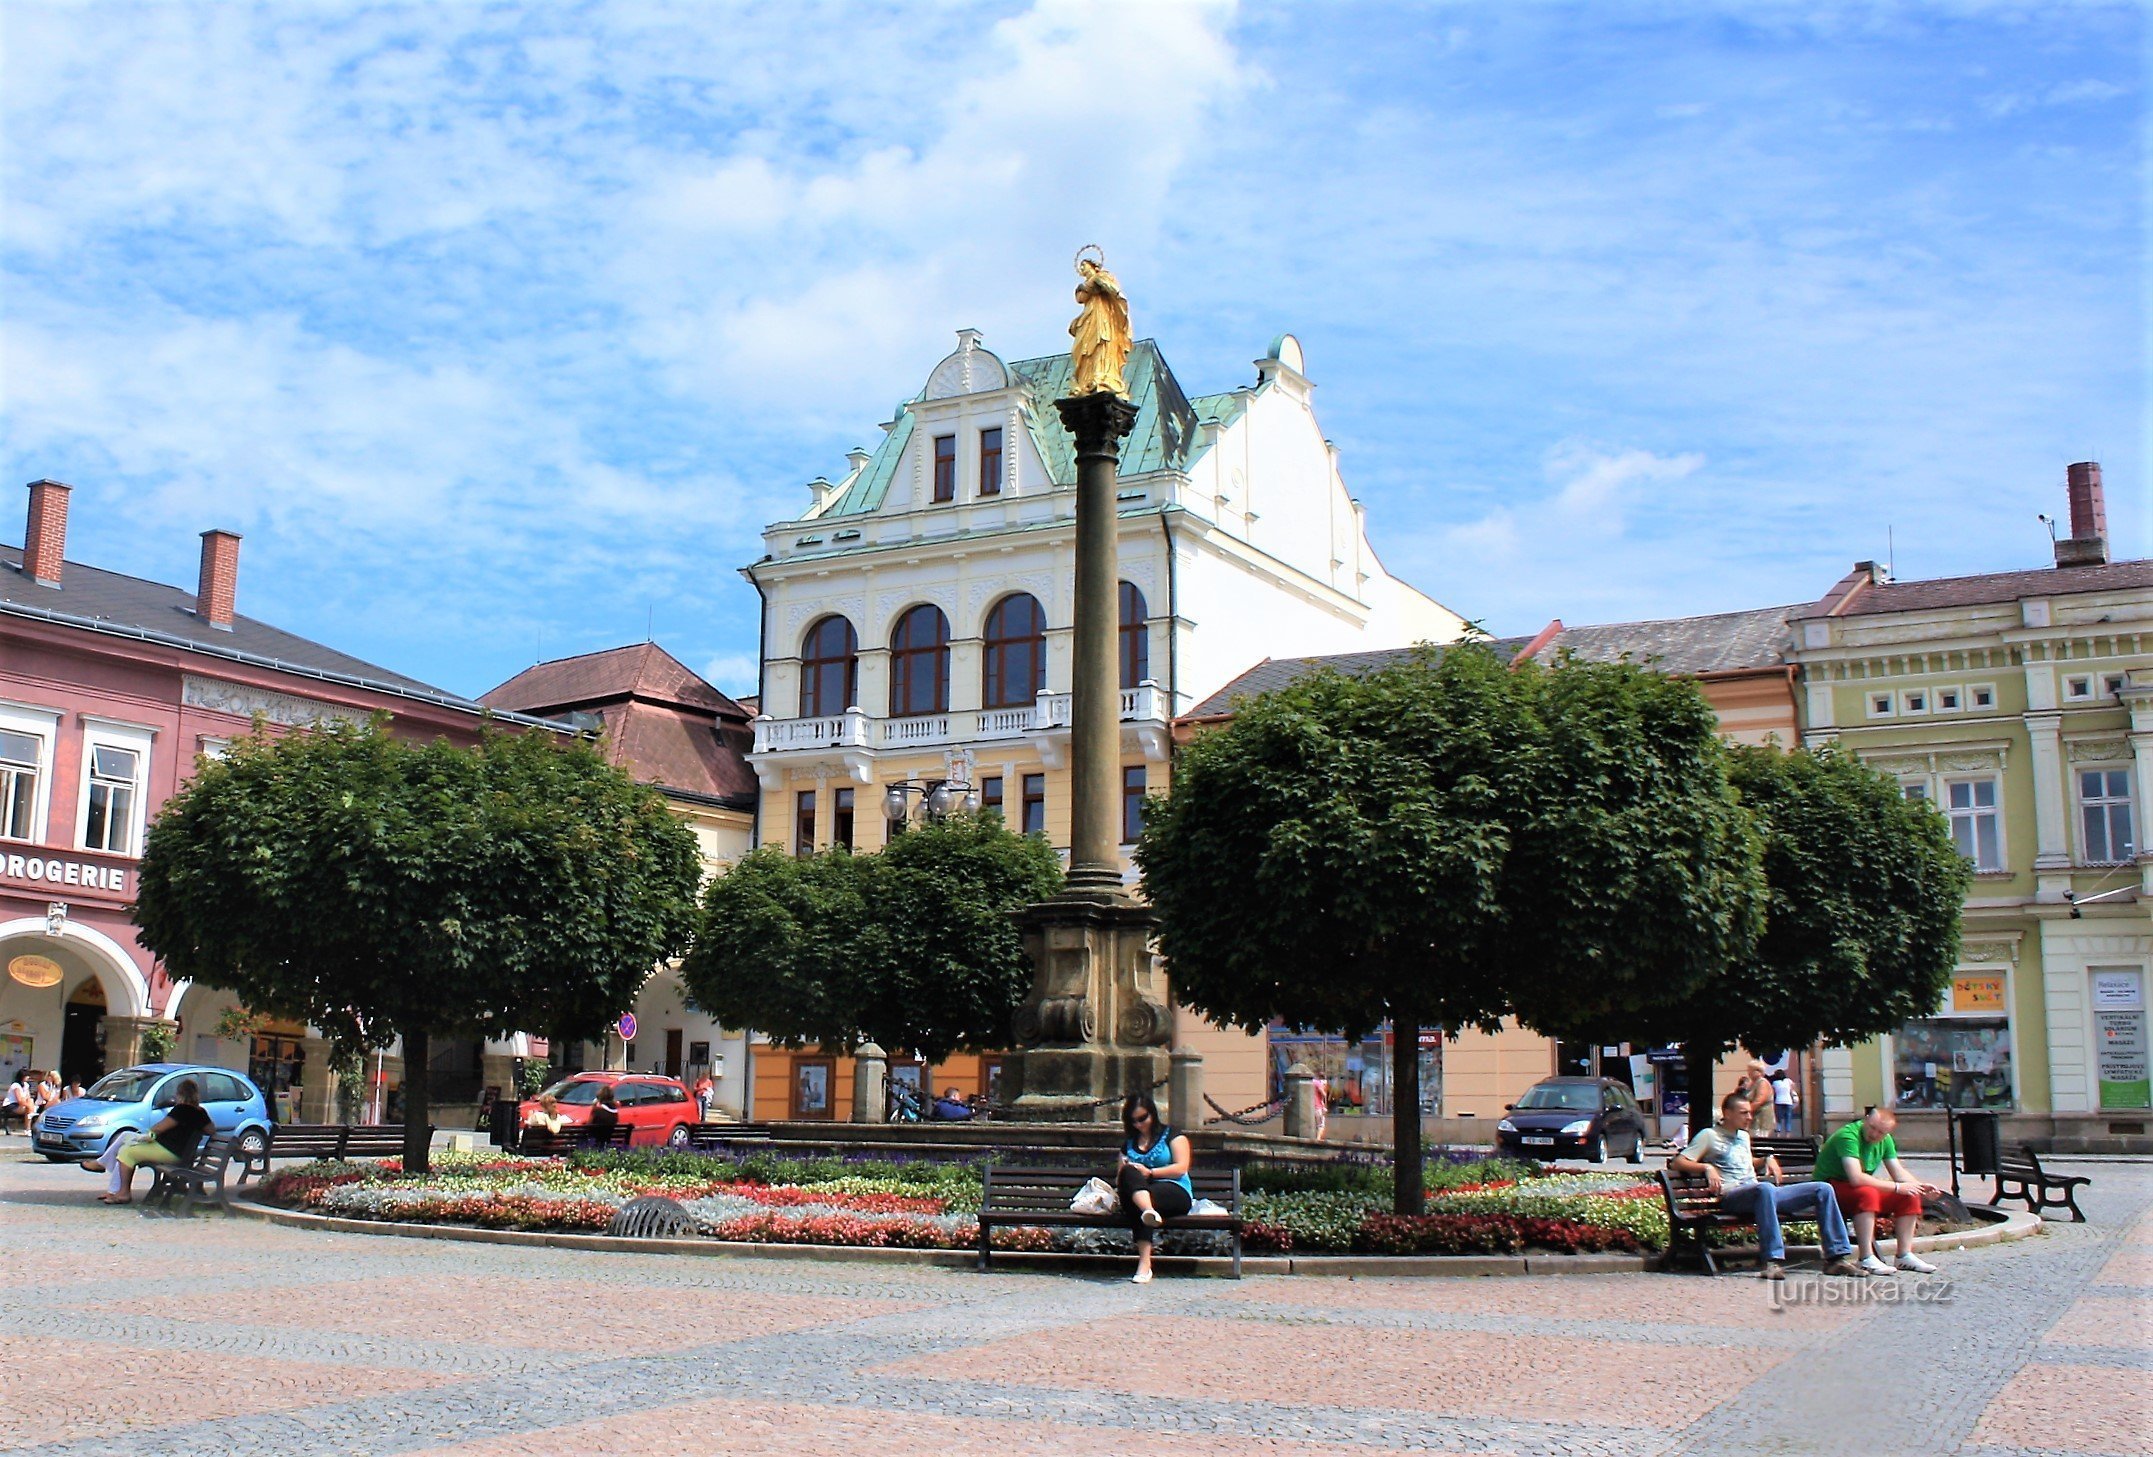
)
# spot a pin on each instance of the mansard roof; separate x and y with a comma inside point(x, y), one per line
point(1164, 437)
point(1859, 595)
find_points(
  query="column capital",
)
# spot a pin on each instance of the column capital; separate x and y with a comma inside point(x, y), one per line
point(1098, 422)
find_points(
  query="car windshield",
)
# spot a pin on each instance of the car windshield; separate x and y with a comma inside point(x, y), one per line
point(575, 1093)
point(1582, 1097)
point(123, 1087)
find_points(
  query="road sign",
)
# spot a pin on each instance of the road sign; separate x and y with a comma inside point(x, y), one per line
point(626, 1027)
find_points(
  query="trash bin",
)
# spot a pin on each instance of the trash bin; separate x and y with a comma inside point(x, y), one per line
point(501, 1125)
point(1980, 1141)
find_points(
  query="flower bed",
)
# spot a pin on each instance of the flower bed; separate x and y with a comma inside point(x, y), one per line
point(1474, 1206)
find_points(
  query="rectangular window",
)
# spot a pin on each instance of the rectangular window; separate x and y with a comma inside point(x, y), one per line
point(945, 467)
point(1947, 700)
point(1982, 695)
point(803, 823)
point(1035, 805)
point(990, 794)
point(2078, 687)
point(1975, 828)
point(1915, 789)
point(2104, 816)
point(990, 462)
point(1880, 705)
point(2112, 684)
point(110, 824)
point(1953, 1062)
point(1916, 701)
point(1132, 803)
point(841, 819)
point(21, 758)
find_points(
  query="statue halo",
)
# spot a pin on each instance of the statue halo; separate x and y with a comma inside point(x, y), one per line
point(1099, 255)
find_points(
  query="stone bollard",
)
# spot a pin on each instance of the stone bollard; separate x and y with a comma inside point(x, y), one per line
point(1300, 1101)
point(870, 1085)
point(1185, 1090)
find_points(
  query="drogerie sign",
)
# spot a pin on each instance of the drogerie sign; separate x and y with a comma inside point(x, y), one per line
point(55, 871)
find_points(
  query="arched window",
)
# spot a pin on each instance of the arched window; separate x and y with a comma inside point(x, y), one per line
point(1135, 637)
point(829, 668)
point(919, 662)
point(1016, 665)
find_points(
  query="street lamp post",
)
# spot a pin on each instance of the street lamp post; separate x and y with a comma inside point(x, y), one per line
point(938, 799)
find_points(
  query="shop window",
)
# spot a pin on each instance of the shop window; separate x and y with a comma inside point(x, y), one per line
point(993, 1072)
point(1016, 652)
point(2104, 816)
point(990, 795)
point(803, 823)
point(1132, 803)
point(2119, 1038)
point(1356, 1075)
point(109, 811)
point(990, 462)
point(1954, 1062)
point(22, 760)
point(812, 1081)
point(908, 1090)
point(1035, 805)
point(1135, 637)
point(841, 818)
point(945, 467)
point(1975, 826)
point(829, 668)
point(919, 662)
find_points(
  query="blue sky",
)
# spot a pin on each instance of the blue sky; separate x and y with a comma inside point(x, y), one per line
point(501, 330)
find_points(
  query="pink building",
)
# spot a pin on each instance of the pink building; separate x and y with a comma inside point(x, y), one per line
point(111, 688)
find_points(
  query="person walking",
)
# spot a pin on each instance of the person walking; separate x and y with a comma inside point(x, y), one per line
point(705, 1090)
point(1786, 1102)
point(1153, 1179)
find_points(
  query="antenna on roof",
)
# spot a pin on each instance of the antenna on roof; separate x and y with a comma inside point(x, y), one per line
point(2050, 522)
point(649, 613)
point(1891, 553)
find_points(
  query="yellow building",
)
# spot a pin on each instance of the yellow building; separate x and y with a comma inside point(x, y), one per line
point(917, 620)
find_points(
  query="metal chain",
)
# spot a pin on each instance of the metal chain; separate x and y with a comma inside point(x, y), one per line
point(1248, 1117)
point(1106, 1102)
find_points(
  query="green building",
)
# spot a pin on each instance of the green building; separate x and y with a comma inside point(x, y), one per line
point(2021, 705)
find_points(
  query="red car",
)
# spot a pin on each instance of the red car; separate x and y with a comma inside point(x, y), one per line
point(657, 1108)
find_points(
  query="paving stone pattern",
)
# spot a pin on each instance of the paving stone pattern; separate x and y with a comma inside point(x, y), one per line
point(133, 1336)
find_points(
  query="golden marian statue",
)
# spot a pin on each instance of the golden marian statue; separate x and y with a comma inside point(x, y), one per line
point(1099, 335)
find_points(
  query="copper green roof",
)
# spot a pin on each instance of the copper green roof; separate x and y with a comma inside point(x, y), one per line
point(1164, 437)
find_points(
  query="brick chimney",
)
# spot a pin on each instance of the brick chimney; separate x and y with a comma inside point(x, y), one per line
point(44, 541)
point(2088, 543)
point(220, 578)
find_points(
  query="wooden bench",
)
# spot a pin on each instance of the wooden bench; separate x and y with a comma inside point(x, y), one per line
point(326, 1141)
point(1797, 1156)
point(199, 1178)
point(542, 1143)
point(1038, 1198)
point(1693, 1211)
point(2030, 1183)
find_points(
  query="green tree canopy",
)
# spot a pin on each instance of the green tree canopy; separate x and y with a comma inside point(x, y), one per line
point(380, 888)
point(1427, 843)
point(911, 948)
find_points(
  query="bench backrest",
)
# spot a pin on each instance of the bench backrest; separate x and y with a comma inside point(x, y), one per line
point(1045, 1190)
point(1797, 1156)
point(2025, 1160)
point(1688, 1195)
point(544, 1141)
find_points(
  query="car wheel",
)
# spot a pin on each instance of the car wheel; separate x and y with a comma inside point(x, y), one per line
point(1596, 1151)
point(1637, 1148)
point(678, 1138)
point(253, 1144)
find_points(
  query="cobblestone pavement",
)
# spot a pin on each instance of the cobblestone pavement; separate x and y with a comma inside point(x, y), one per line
point(133, 1335)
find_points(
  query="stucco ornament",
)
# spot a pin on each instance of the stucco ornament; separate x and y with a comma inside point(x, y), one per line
point(1100, 334)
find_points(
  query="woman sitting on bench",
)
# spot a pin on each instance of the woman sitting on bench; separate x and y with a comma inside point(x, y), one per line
point(1154, 1176)
point(170, 1140)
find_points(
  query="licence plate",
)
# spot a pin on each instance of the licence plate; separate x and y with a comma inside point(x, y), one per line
point(1531, 1139)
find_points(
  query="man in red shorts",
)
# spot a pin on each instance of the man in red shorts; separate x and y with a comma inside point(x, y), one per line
point(1862, 1164)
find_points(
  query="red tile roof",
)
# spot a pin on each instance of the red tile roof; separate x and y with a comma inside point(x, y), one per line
point(641, 670)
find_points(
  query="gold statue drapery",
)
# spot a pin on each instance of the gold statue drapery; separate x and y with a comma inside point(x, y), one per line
point(1099, 335)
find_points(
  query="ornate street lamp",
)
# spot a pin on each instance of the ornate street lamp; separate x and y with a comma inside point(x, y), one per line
point(938, 799)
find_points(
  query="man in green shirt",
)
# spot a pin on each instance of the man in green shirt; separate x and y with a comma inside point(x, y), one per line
point(1862, 1163)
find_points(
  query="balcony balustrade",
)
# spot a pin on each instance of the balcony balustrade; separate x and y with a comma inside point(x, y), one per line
point(857, 729)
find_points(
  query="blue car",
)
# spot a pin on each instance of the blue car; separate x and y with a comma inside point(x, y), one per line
point(137, 1097)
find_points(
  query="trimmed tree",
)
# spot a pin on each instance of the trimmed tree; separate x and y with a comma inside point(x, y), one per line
point(1428, 844)
point(911, 948)
point(379, 888)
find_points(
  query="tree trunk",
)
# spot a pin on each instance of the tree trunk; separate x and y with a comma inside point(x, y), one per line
point(1700, 1056)
point(1409, 1194)
point(418, 1134)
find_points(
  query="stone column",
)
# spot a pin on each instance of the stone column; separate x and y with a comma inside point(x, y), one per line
point(1300, 1101)
point(1185, 1090)
point(1096, 1024)
point(123, 1040)
point(870, 1084)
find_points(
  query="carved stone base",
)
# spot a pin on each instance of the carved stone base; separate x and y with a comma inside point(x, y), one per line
point(1097, 1023)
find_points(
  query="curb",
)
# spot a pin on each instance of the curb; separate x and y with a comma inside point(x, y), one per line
point(2013, 1226)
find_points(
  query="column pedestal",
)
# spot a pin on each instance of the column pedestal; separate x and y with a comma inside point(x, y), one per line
point(1096, 1026)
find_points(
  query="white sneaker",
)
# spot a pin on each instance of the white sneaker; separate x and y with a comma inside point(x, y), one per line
point(1141, 1277)
point(1152, 1219)
point(1870, 1264)
point(1915, 1265)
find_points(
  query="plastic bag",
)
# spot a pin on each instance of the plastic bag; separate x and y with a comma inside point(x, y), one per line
point(1207, 1207)
point(1097, 1197)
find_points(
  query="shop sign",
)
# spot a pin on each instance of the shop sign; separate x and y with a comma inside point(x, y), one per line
point(1977, 993)
point(55, 871)
point(2119, 1040)
point(2118, 991)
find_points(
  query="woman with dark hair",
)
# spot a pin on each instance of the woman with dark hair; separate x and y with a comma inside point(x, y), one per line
point(605, 1117)
point(1154, 1176)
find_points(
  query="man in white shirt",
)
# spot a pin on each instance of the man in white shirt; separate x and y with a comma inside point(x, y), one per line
point(1723, 1156)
